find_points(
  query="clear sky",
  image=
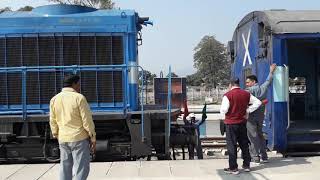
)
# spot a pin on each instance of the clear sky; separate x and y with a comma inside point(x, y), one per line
point(179, 25)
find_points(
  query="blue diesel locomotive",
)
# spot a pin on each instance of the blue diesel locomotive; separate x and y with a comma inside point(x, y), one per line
point(290, 39)
point(38, 47)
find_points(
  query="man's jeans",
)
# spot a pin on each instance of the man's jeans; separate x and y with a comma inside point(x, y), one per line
point(75, 160)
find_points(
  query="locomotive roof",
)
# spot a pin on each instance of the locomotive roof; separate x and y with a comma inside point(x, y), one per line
point(66, 10)
point(285, 21)
point(69, 18)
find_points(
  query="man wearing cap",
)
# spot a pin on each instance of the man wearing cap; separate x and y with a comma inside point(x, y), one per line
point(192, 128)
point(236, 104)
point(71, 123)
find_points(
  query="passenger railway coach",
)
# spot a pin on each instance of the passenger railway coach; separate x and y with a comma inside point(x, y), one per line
point(291, 39)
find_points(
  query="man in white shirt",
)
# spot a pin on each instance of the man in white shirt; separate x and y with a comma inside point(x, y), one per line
point(236, 105)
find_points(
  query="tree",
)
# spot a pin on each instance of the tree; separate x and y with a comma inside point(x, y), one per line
point(5, 9)
point(26, 8)
point(148, 77)
point(194, 79)
point(210, 60)
point(100, 4)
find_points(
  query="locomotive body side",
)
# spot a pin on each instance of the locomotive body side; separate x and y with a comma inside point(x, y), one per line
point(38, 48)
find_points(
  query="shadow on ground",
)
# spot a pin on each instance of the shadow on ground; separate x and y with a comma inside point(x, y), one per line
point(262, 171)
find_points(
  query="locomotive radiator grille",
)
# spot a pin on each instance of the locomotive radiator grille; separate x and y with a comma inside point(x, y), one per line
point(14, 82)
point(41, 85)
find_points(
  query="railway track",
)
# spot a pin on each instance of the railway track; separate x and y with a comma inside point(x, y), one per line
point(213, 142)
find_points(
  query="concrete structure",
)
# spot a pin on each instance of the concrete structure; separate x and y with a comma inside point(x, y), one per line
point(278, 168)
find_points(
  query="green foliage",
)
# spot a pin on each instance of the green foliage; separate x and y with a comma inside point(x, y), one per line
point(210, 60)
point(194, 79)
point(100, 4)
point(5, 9)
point(148, 77)
point(26, 8)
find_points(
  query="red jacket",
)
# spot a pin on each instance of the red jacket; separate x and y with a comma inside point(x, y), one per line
point(239, 101)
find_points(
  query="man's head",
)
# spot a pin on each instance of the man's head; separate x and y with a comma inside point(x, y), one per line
point(73, 81)
point(234, 82)
point(251, 80)
point(192, 116)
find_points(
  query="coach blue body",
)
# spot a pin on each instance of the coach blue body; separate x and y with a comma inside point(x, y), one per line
point(291, 40)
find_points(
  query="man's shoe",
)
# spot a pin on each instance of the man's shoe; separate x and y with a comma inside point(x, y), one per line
point(264, 161)
point(231, 171)
point(246, 169)
point(256, 161)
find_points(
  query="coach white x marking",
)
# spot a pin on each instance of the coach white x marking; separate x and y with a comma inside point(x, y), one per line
point(246, 46)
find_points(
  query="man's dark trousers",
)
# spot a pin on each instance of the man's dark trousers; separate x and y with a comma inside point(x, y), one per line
point(237, 133)
point(255, 135)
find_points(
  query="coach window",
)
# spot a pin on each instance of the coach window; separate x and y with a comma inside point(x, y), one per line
point(297, 85)
point(246, 72)
point(230, 50)
point(261, 31)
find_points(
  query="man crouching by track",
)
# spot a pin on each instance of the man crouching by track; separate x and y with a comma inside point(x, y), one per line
point(236, 105)
point(71, 123)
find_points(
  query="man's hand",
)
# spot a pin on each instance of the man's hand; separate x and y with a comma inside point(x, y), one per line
point(264, 101)
point(55, 136)
point(93, 146)
point(246, 116)
point(273, 68)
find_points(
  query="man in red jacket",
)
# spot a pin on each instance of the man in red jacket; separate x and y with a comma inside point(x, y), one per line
point(236, 105)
